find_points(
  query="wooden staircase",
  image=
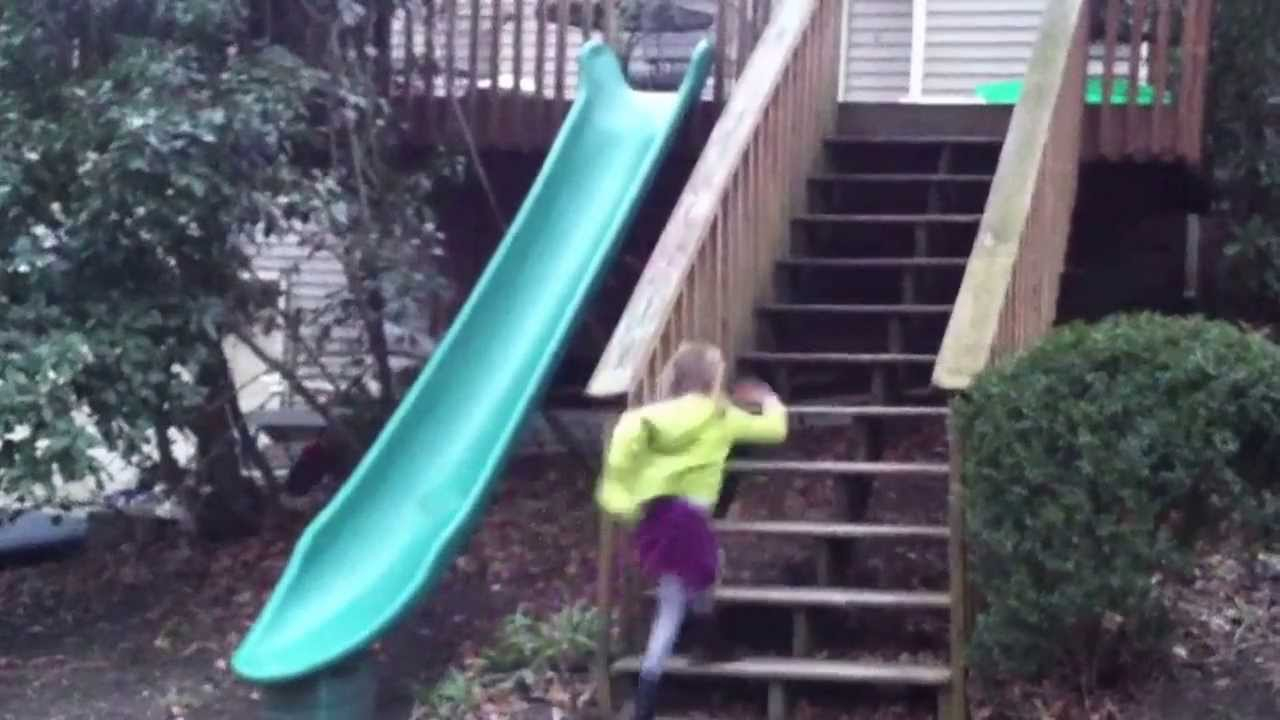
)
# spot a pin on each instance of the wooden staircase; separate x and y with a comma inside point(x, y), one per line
point(896, 271)
point(862, 297)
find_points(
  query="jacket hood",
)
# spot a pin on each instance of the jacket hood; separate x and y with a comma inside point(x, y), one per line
point(673, 424)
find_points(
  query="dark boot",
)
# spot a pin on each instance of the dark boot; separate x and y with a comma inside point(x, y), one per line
point(646, 698)
point(707, 641)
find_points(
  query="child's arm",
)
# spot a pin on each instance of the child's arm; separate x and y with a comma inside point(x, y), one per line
point(769, 426)
point(627, 442)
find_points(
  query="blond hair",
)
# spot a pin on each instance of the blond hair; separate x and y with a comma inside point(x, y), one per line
point(696, 367)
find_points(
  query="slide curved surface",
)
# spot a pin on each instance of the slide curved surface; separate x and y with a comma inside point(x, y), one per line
point(395, 526)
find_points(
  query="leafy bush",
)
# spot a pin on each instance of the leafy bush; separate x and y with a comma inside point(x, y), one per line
point(526, 658)
point(562, 642)
point(455, 696)
point(1244, 151)
point(1250, 282)
point(1092, 464)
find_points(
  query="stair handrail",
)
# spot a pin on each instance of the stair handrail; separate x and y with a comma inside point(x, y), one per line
point(1008, 297)
point(715, 256)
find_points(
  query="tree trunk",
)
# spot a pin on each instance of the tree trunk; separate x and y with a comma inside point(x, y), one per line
point(227, 504)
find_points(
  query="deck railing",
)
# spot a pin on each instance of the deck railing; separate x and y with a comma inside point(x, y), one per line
point(1008, 297)
point(505, 71)
point(714, 259)
point(1162, 46)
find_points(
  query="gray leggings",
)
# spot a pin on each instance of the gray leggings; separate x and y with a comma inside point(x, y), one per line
point(674, 599)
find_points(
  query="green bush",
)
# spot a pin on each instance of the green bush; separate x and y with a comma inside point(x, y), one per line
point(525, 654)
point(562, 642)
point(1092, 464)
point(1249, 279)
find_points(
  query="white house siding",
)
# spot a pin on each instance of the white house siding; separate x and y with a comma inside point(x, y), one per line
point(311, 279)
point(877, 50)
point(971, 42)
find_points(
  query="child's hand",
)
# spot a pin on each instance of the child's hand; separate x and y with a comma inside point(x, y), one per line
point(752, 392)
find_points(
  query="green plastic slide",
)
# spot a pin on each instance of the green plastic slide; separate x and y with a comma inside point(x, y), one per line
point(397, 522)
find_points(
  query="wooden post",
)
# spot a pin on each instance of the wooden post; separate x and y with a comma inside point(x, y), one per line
point(959, 577)
point(611, 25)
point(1160, 70)
point(473, 65)
point(604, 589)
point(493, 105)
point(1133, 138)
point(1108, 130)
point(517, 73)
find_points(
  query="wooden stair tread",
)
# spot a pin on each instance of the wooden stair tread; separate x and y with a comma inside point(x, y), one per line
point(871, 411)
point(910, 218)
point(828, 597)
point(857, 139)
point(836, 530)
point(891, 262)
point(854, 309)
point(839, 467)
point(803, 669)
point(860, 177)
point(829, 358)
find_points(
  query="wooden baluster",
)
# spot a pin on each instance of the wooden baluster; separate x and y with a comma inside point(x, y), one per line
point(540, 70)
point(450, 43)
point(519, 99)
point(429, 60)
point(697, 297)
point(604, 596)
point(1160, 68)
point(1197, 20)
point(773, 221)
point(753, 236)
point(1133, 135)
point(404, 99)
point(742, 282)
point(473, 64)
point(495, 56)
point(744, 41)
point(382, 46)
point(1108, 139)
point(720, 307)
point(562, 54)
point(1190, 11)
point(717, 71)
point(611, 25)
point(1204, 29)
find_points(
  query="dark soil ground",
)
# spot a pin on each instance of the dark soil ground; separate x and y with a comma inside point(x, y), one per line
point(144, 633)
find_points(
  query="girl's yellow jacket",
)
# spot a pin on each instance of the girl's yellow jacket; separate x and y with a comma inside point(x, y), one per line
point(678, 448)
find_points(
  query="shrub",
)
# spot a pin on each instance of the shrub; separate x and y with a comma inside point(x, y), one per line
point(563, 642)
point(1092, 463)
point(1250, 272)
point(528, 657)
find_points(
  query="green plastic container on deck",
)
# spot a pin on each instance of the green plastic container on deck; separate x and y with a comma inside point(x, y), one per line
point(346, 691)
point(1007, 92)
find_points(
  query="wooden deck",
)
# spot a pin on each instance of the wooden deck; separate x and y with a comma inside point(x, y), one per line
point(1172, 40)
point(505, 71)
point(502, 73)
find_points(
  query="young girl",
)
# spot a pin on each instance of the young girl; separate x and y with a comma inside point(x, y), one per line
point(663, 472)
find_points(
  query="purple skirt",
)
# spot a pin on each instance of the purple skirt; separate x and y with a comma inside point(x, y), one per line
point(675, 538)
